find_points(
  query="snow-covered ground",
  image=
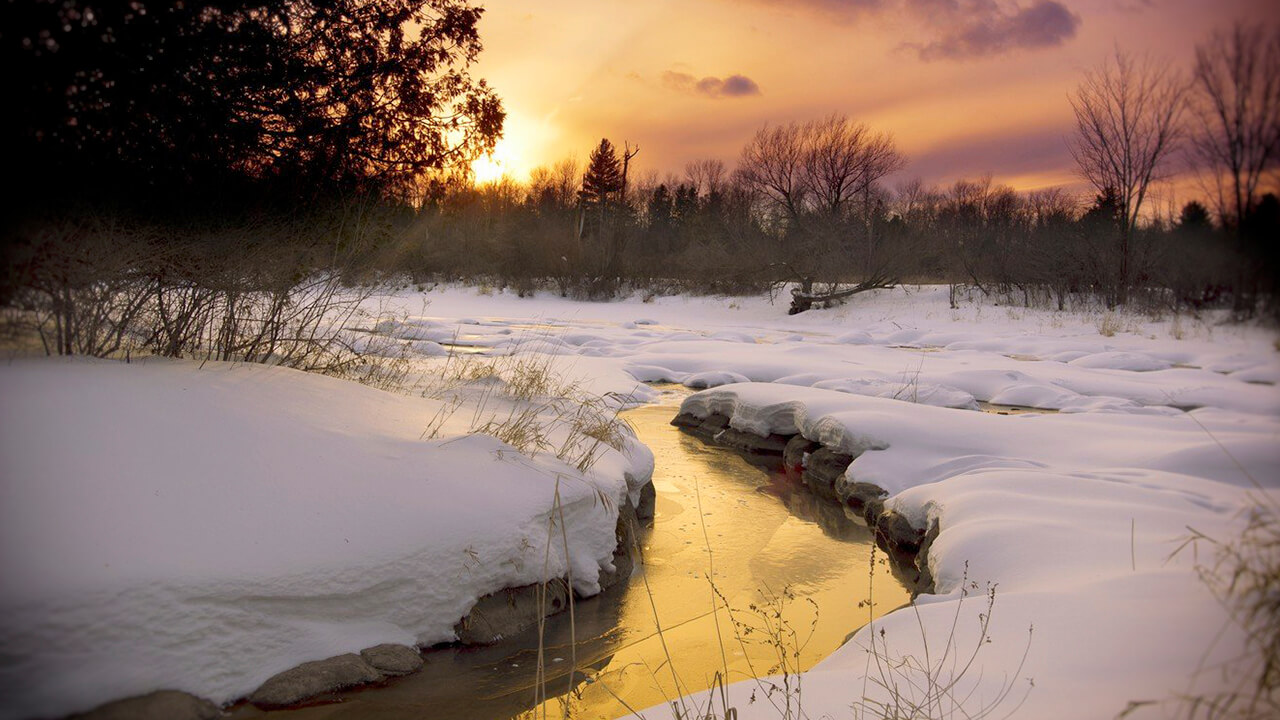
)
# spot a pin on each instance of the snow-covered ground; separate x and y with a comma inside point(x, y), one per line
point(163, 525)
point(1166, 425)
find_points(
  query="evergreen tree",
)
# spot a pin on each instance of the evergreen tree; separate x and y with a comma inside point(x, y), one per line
point(603, 177)
point(686, 203)
point(1194, 217)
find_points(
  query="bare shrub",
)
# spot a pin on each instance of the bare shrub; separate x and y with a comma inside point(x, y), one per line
point(939, 681)
point(80, 285)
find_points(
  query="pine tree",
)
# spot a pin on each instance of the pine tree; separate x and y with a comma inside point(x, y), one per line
point(603, 177)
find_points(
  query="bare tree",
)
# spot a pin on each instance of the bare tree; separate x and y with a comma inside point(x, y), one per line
point(1237, 109)
point(815, 183)
point(708, 177)
point(772, 167)
point(1236, 141)
point(1127, 125)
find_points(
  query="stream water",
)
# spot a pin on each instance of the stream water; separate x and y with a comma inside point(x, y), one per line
point(723, 529)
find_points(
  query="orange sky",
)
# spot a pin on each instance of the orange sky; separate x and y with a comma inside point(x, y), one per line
point(966, 86)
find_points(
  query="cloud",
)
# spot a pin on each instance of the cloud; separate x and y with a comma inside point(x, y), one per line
point(963, 29)
point(980, 28)
point(713, 87)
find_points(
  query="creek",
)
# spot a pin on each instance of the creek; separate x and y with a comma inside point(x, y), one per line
point(725, 531)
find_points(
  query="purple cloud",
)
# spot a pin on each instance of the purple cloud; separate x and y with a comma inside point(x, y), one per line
point(982, 28)
point(713, 87)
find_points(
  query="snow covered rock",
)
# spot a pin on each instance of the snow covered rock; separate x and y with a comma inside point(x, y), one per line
point(159, 705)
point(714, 378)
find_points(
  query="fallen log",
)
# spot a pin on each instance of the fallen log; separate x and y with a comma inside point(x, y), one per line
point(802, 300)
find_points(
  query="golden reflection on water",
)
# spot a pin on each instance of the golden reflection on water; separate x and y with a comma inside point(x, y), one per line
point(757, 537)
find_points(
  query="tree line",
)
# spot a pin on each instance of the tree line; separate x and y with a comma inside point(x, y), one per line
point(810, 204)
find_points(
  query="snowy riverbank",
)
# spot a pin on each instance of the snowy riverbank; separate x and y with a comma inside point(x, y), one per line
point(1165, 422)
point(1076, 520)
point(164, 525)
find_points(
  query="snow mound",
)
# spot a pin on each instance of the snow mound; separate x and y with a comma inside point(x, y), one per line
point(857, 337)
point(908, 391)
point(1134, 362)
point(713, 378)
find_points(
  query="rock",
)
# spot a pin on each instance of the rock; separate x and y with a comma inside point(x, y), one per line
point(159, 705)
point(752, 443)
point(824, 468)
point(861, 497)
point(509, 611)
point(392, 659)
point(794, 451)
point(924, 580)
point(711, 425)
point(314, 678)
point(648, 502)
point(512, 610)
point(896, 536)
point(623, 561)
point(686, 420)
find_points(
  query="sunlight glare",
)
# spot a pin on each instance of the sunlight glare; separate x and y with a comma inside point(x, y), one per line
point(504, 160)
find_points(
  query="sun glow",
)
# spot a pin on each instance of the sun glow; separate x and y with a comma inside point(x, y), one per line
point(503, 161)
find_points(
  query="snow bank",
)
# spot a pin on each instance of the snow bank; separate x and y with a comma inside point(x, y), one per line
point(923, 444)
point(1075, 517)
point(167, 526)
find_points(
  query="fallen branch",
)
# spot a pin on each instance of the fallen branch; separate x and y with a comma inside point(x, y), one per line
point(801, 300)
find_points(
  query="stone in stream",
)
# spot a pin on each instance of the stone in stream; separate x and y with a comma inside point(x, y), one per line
point(159, 705)
point(794, 452)
point(507, 612)
point(314, 678)
point(898, 537)
point(823, 469)
point(712, 424)
point(924, 576)
point(392, 659)
point(865, 499)
point(625, 532)
point(648, 502)
point(686, 420)
point(752, 443)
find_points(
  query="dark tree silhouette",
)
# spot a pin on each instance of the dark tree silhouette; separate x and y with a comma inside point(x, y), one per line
point(1127, 126)
point(603, 177)
point(306, 97)
point(1237, 137)
point(1194, 217)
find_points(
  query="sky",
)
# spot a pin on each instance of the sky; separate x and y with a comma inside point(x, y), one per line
point(966, 87)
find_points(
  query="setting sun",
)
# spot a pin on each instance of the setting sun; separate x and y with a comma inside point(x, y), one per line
point(504, 160)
